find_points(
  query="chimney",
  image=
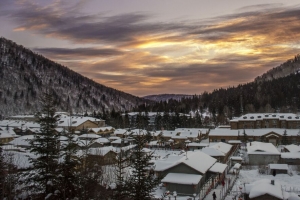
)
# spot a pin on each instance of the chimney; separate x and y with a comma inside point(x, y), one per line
point(273, 182)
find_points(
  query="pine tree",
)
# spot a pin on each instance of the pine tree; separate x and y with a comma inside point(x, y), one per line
point(284, 139)
point(68, 180)
point(121, 190)
point(141, 183)
point(43, 180)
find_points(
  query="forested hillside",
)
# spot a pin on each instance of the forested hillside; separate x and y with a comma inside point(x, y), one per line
point(24, 75)
point(280, 94)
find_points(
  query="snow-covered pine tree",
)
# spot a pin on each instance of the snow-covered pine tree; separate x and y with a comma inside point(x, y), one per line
point(69, 161)
point(120, 192)
point(42, 180)
point(141, 183)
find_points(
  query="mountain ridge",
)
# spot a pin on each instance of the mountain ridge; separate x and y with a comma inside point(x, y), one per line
point(25, 75)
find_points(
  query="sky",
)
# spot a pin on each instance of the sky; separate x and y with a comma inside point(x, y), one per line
point(146, 47)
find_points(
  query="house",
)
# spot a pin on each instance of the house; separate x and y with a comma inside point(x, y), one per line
point(266, 120)
point(266, 190)
point(260, 153)
point(196, 146)
point(271, 135)
point(220, 151)
point(290, 158)
point(292, 148)
point(100, 142)
point(107, 130)
point(278, 168)
point(104, 155)
point(77, 123)
point(6, 135)
point(189, 164)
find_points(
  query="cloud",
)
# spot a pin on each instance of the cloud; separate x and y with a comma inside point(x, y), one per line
point(133, 53)
point(83, 53)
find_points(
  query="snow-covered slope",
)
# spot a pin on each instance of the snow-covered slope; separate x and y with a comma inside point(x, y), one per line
point(24, 75)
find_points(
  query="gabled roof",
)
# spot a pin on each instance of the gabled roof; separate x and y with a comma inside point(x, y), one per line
point(262, 148)
point(179, 178)
point(222, 147)
point(218, 168)
point(292, 148)
point(264, 186)
point(197, 160)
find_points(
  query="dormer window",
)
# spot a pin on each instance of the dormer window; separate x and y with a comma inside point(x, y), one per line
point(266, 115)
point(74, 122)
point(252, 117)
point(289, 117)
point(258, 116)
point(245, 117)
point(281, 116)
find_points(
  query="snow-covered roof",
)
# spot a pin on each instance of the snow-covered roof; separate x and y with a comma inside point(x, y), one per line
point(114, 138)
point(89, 136)
point(151, 143)
point(20, 159)
point(218, 168)
point(222, 147)
point(101, 129)
point(101, 140)
point(279, 166)
point(234, 141)
point(292, 148)
point(102, 151)
point(212, 151)
point(261, 148)
point(237, 166)
point(264, 186)
point(22, 141)
point(197, 160)
point(193, 144)
point(252, 132)
point(179, 178)
point(261, 116)
point(120, 131)
point(236, 158)
point(223, 132)
point(290, 155)
point(74, 121)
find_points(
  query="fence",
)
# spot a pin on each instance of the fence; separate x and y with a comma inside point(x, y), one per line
point(208, 186)
point(229, 183)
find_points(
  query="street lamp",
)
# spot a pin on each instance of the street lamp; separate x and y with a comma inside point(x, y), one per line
point(194, 195)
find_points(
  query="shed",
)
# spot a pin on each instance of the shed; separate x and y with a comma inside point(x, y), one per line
point(182, 183)
point(278, 168)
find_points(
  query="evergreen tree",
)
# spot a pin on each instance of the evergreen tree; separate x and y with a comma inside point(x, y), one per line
point(68, 180)
point(141, 183)
point(121, 190)
point(43, 181)
point(284, 139)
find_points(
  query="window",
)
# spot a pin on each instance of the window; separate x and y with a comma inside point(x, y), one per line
point(223, 140)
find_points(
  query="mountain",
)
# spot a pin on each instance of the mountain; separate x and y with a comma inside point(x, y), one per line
point(289, 67)
point(165, 97)
point(25, 75)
